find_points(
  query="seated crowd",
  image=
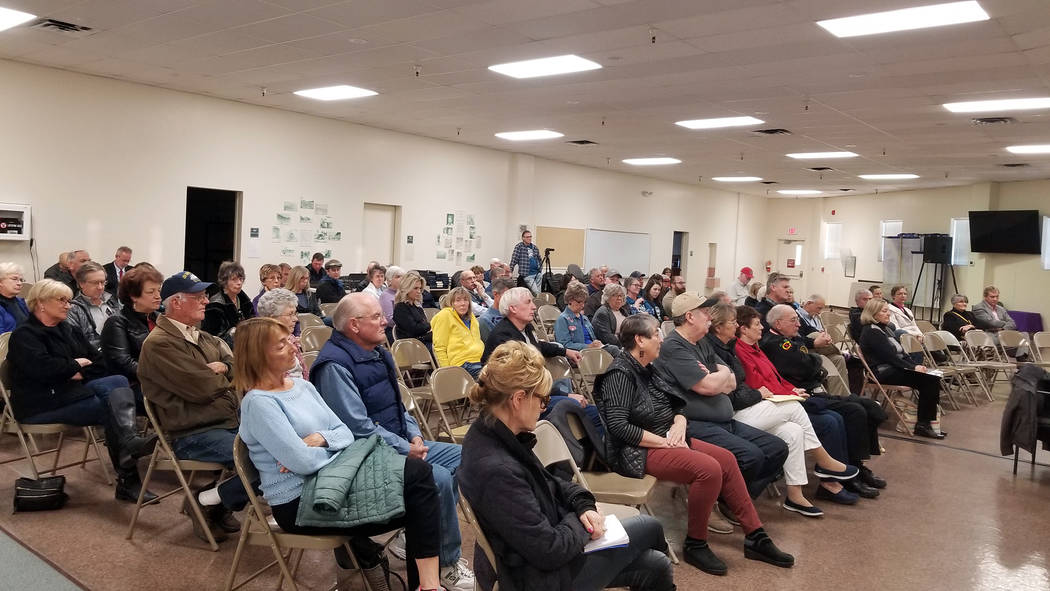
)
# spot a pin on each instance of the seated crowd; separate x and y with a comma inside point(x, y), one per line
point(727, 402)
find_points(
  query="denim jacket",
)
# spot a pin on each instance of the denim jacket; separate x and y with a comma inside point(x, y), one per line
point(568, 330)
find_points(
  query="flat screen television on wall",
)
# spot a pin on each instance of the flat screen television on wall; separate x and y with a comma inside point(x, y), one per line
point(1009, 231)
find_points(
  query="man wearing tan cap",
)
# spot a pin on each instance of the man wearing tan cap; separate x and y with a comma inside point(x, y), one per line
point(687, 362)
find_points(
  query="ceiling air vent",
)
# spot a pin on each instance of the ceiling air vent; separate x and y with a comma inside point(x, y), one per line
point(773, 131)
point(1015, 164)
point(821, 168)
point(992, 120)
point(845, 190)
point(769, 182)
point(62, 28)
point(582, 143)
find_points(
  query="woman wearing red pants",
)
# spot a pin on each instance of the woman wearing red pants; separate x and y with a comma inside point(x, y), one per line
point(646, 435)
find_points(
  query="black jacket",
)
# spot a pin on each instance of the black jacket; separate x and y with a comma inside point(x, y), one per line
point(604, 322)
point(62, 276)
point(42, 362)
point(329, 291)
point(952, 322)
point(222, 314)
point(530, 518)
point(506, 331)
point(122, 338)
point(411, 322)
point(855, 327)
point(743, 396)
point(1020, 424)
point(879, 351)
point(112, 281)
point(316, 276)
point(793, 359)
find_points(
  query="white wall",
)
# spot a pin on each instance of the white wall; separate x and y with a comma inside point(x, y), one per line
point(105, 163)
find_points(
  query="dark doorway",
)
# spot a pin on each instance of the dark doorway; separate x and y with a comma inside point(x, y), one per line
point(211, 230)
point(679, 246)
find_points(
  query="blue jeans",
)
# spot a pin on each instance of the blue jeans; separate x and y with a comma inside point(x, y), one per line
point(214, 445)
point(474, 369)
point(830, 429)
point(444, 460)
point(590, 409)
point(88, 411)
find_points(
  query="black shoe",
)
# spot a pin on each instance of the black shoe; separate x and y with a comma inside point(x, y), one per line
point(869, 478)
point(858, 487)
point(225, 520)
point(925, 430)
point(843, 497)
point(210, 514)
point(699, 554)
point(759, 546)
point(128, 487)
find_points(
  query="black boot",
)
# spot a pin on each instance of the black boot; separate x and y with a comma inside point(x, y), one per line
point(129, 444)
point(699, 554)
point(129, 485)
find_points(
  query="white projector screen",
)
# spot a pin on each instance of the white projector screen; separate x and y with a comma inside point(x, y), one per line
point(623, 251)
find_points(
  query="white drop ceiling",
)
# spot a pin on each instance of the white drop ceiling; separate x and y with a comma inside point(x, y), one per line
point(879, 96)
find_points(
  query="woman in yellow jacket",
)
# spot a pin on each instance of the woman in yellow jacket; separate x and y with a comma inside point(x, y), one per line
point(457, 334)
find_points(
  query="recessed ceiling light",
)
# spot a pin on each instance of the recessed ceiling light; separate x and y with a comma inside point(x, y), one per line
point(736, 179)
point(798, 192)
point(658, 161)
point(12, 18)
point(906, 19)
point(336, 93)
point(999, 105)
point(888, 177)
point(547, 66)
point(821, 155)
point(1030, 149)
point(719, 122)
point(532, 134)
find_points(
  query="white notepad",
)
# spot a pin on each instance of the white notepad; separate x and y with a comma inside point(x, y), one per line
point(615, 536)
point(935, 372)
point(785, 398)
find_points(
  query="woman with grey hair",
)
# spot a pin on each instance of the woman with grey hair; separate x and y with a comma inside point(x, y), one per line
point(958, 320)
point(608, 318)
point(280, 304)
point(93, 305)
point(229, 305)
point(13, 309)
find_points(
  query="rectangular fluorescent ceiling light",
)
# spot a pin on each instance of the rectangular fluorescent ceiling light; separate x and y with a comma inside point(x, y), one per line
point(798, 192)
point(1030, 149)
point(887, 177)
point(736, 179)
point(719, 122)
point(336, 93)
point(651, 161)
point(820, 155)
point(546, 66)
point(12, 18)
point(999, 105)
point(906, 19)
point(533, 134)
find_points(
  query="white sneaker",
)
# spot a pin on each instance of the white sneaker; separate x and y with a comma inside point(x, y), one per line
point(457, 577)
point(397, 546)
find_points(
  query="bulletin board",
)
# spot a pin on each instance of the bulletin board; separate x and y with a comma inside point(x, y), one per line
point(566, 242)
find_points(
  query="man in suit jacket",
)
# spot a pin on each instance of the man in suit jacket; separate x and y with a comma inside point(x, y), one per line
point(991, 316)
point(115, 270)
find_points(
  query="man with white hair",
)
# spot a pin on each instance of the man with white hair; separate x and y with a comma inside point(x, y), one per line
point(861, 417)
point(357, 378)
point(495, 268)
point(595, 289)
point(518, 310)
point(861, 299)
point(812, 329)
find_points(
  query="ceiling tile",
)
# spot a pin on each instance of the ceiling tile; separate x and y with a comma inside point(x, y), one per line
point(289, 28)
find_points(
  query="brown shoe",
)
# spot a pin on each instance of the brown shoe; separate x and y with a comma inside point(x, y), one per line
point(227, 521)
point(210, 515)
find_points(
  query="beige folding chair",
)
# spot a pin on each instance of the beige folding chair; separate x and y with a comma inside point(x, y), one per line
point(980, 341)
point(1012, 339)
point(479, 537)
point(308, 359)
point(960, 355)
point(307, 320)
point(667, 327)
point(26, 431)
point(410, 405)
point(833, 372)
point(328, 309)
point(314, 337)
point(1041, 345)
point(935, 345)
point(545, 299)
point(163, 458)
point(871, 381)
point(430, 313)
point(559, 367)
point(607, 487)
point(925, 326)
point(831, 318)
point(912, 346)
point(416, 365)
point(547, 316)
point(451, 387)
point(259, 529)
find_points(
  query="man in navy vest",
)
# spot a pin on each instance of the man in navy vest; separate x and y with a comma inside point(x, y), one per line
point(358, 379)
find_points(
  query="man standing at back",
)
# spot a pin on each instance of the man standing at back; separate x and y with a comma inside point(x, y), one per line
point(525, 260)
point(115, 270)
point(357, 378)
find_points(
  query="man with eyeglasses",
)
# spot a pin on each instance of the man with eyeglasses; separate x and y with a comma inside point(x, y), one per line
point(186, 374)
point(357, 378)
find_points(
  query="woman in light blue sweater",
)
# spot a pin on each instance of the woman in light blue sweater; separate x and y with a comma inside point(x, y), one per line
point(291, 434)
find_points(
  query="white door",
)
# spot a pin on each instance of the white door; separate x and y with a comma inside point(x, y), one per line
point(789, 258)
point(378, 227)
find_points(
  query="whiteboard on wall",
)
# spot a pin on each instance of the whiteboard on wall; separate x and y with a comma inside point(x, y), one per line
point(623, 251)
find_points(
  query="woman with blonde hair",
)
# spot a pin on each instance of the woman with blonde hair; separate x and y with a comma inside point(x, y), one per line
point(457, 333)
point(270, 277)
point(299, 284)
point(537, 523)
point(13, 309)
point(291, 434)
point(410, 320)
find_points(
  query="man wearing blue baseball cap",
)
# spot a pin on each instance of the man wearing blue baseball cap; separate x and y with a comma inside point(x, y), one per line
point(186, 374)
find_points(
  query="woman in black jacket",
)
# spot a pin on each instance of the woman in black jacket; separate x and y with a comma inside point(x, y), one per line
point(123, 334)
point(645, 434)
point(229, 305)
point(537, 523)
point(959, 320)
point(409, 318)
point(608, 318)
point(57, 376)
point(888, 360)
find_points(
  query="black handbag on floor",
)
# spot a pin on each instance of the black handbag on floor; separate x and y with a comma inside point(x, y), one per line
point(44, 494)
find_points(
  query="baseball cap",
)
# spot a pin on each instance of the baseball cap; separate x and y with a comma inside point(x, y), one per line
point(332, 264)
point(614, 273)
point(747, 272)
point(182, 282)
point(686, 302)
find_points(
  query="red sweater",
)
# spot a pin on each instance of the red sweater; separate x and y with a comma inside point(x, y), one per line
point(760, 371)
